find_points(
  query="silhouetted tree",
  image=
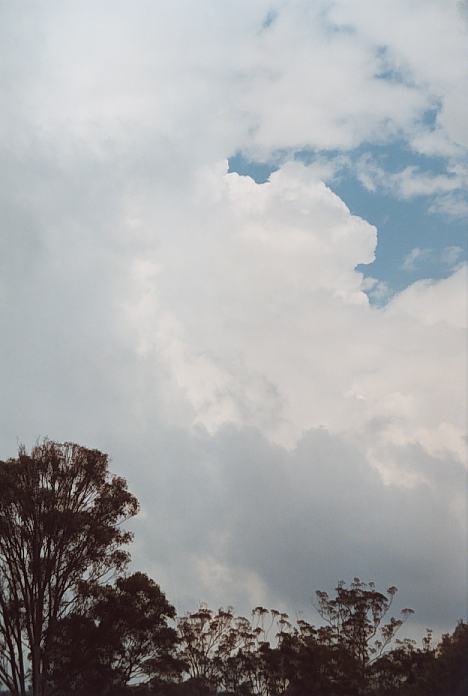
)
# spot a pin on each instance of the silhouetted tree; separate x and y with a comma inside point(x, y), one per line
point(356, 622)
point(441, 671)
point(69, 628)
point(235, 655)
point(60, 525)
point(204, 637)
point(120, 635)
point(452, 662)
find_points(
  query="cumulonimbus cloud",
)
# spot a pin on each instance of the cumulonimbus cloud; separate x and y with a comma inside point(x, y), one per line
point(211, 332)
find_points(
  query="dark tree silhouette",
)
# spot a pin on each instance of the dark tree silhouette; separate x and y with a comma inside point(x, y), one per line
point(71, 624)
point(60, 525)
point(233, 654)
point(207, 638)
point(451, 669)
point(356, 619)
point(121, 634)
point(443, 670)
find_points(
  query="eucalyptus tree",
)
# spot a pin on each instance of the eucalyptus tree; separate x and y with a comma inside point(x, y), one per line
point(120, 635)
point(61, 515)
point(357, 622)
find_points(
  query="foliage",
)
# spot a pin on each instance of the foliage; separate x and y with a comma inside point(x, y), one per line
point(60, 524)
point(73, 623)
point(119, 635)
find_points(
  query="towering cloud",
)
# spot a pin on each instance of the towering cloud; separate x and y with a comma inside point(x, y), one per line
point(213, 333)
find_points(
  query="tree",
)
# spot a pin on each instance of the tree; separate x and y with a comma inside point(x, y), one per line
point(356, 623)
point(120, 634)
point(452, 661)
point(445, 668)
point(60, 525)
point(204, 637)
point(234, 654)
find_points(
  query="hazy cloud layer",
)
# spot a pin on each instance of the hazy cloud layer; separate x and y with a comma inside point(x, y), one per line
point(212, 333)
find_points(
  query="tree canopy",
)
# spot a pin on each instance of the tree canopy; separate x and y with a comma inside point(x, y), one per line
point(73, 621)
point(60, 526)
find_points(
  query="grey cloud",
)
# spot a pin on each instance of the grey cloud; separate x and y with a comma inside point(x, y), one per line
point(302, 520)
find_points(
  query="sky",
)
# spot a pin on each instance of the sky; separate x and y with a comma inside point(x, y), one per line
point(233, 256)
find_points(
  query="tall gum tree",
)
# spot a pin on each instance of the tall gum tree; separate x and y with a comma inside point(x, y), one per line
point(60, 526)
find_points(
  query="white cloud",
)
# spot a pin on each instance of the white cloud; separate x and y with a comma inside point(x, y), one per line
point(302, 81)
point(451, 255)
point(426, 42)
point(281, 317)
point(378, 290)
point(450, 205)
point(432, 302)
point(414, 258)
point(410, 182)
point(428, 259)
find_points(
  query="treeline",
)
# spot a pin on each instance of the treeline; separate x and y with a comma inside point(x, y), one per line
point(74, 622)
